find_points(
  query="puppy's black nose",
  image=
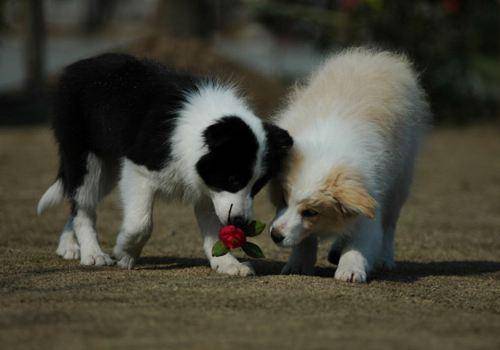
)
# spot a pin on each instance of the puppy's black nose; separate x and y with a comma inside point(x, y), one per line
point(276, 236)
point(238, 221)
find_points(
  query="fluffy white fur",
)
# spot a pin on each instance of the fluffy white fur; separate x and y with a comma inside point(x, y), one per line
point(178, 180)
point(362, 110)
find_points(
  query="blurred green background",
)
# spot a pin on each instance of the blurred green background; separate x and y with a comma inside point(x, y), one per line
point(265, 44)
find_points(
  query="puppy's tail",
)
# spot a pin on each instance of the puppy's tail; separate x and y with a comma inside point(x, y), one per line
point(54, 195)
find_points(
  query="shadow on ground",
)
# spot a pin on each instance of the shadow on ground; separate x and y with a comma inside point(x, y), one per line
point(405, 272)
point(408, 271)
point(169, 263)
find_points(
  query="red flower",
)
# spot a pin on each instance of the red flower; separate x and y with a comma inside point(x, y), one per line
point(347, 5)
point(451, 6)
point(233, 237)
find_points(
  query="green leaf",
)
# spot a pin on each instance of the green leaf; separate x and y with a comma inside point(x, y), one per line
point(255, 228)
point(259, 227)
point(253, 250)
point(219, 249)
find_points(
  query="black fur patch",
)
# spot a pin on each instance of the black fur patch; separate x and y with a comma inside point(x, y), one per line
point(279, 143)
point(116, 106)
point(232, 152)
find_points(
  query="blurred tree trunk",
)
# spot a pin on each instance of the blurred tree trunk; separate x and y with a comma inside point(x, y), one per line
point(98, 12)
point(193, 18)
point(35, 48)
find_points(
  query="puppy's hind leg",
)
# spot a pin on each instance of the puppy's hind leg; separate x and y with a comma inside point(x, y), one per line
point(209, 225)
point(386, 260)
point(85, 201)
point(137, 192)
point(68, 247)
point(390, 219)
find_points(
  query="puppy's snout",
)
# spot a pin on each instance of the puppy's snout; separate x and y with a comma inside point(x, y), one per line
point(238, 221)
point(276, 236)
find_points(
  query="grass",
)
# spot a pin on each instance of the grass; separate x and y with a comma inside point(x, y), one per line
point(444, 294)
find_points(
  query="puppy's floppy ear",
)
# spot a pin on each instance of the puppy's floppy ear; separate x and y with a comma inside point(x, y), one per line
point(279, 143)
point(279, 140)
point(356, 200)
point(349, 194)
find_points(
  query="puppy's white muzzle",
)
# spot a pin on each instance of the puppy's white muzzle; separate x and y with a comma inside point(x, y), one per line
point(286, 229)
point(232, 205)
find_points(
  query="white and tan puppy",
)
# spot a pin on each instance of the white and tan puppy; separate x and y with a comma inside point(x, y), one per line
point(357, 125)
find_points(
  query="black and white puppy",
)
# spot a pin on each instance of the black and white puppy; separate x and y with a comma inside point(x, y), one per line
point(152, 130)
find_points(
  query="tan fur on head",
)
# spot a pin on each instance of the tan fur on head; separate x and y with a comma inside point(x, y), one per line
point(344, 193)
point(346, 187)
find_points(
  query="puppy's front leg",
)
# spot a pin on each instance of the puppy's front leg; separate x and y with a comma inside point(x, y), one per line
point(303, 258)
point(137, 192)
point(359, 255)
point(209, 225)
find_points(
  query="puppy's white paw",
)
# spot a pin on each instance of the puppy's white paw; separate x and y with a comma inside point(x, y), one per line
point(236, 269)
point(126, 262)
point(297, 267)
point(96, 259)
point(231, 266)
point(68, 250)
point(70, 253)
point(351, 268)
point(68, 247)
point(350, 275)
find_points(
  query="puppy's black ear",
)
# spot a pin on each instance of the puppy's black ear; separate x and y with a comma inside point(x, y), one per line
point(279, 140)
point(279, 143)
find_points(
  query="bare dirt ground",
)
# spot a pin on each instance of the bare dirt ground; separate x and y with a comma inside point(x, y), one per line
point(445, 293)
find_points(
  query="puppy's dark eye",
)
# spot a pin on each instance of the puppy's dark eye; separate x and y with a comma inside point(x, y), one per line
point(309, 213)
